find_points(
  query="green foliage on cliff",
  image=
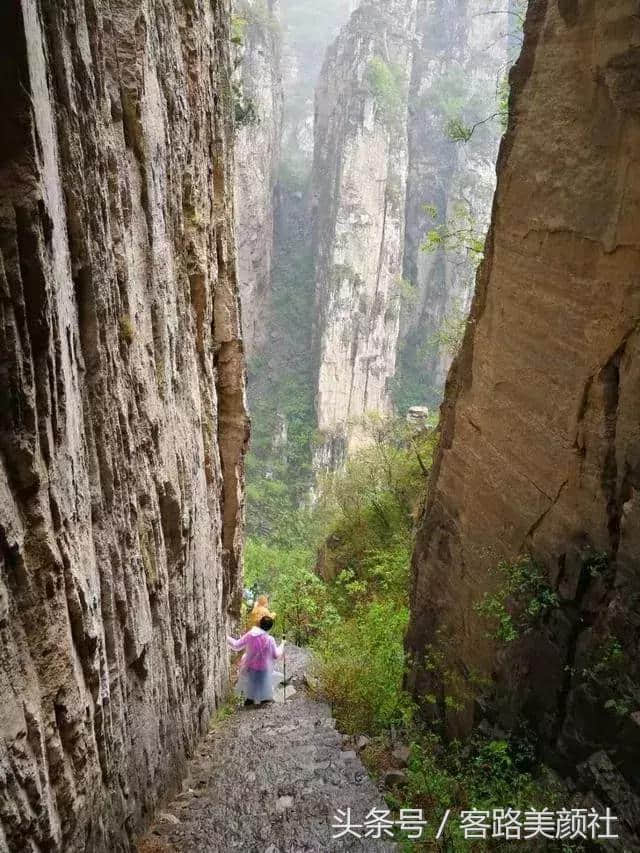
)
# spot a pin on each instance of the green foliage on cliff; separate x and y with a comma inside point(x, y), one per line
point(338, 573)
point(369, 506)
point(245, 113)
point(459, 233)
point(387, 83)
point(280, 388)
point(452, 328)
point(522, 597)
point(609, 675)
point(361, 665)
point(481, 774)
point(448, 94)
point(238, 29)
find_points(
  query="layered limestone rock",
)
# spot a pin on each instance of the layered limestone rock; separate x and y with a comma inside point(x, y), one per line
point(459, 68)
point(258, 117)
point(122, 424)
point(540, 450)
point(359, 176)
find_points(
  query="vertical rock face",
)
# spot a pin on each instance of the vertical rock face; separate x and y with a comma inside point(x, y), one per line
point(308, 28)
point(257, 149)
point(459, 62)
point(122, 422)
point(540, 449)
point(359, 176)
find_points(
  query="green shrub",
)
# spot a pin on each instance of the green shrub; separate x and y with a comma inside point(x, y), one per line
point(387, 84)
point(369, 507)
point(450, 335)
point(297, 595)
point(360, 663)
point(521, 600)
point(480, 774)
point(458, 235)
point(609, 675)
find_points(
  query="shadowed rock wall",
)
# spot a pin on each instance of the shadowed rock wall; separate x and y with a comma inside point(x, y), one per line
point(540, 445)
point(122, 419)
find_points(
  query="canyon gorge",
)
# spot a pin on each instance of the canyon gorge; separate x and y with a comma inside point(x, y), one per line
point(368, 167)
point(288, 210)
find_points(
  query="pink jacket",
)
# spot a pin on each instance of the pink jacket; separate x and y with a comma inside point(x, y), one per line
point(261, 649)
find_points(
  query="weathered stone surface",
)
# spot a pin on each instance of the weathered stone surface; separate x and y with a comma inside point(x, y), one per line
point(394, 778)
point(257, 154)
point(271, 779)
point(362, 742)
point(540, 449)
point(401, 754)
point(122, 420)
point(359, 176)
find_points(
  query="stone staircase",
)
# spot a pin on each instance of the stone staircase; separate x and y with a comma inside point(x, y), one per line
point(270, 780)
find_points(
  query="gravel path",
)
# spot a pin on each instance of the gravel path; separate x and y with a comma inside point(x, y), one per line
point(269, 780)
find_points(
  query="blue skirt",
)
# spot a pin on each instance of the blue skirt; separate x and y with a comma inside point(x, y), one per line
point(256, 684)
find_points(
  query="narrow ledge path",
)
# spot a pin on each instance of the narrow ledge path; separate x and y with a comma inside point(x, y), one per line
point(269, 780)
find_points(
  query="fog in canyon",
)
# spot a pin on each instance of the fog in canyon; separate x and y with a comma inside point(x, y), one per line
point(338, 302)
point(361, 209)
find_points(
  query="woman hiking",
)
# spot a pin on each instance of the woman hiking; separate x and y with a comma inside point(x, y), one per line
point(255, 681)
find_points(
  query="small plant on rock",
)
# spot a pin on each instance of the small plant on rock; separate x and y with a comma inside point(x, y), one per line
point(523, 598)
point(126, 329)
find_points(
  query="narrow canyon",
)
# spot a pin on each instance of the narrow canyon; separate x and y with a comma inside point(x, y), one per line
point(336, 301)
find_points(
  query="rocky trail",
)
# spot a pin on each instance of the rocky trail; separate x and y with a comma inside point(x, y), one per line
point(269, 780)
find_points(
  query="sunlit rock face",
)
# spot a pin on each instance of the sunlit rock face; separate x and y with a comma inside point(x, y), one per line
point(540, 450)
point(122, 422)
point(359, 177)
point(460, 63)
point(258, 107)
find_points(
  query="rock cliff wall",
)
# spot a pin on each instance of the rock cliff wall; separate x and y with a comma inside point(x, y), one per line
point(258, 114)
point(359, 177)
point(540, 451)
point(122, 421)
point(460, 60)
point(308, 29)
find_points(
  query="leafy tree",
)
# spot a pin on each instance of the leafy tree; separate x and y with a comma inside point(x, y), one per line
point(451, 332)
point(459, 234)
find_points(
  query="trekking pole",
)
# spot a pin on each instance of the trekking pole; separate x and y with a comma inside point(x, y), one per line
point(284, 670)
